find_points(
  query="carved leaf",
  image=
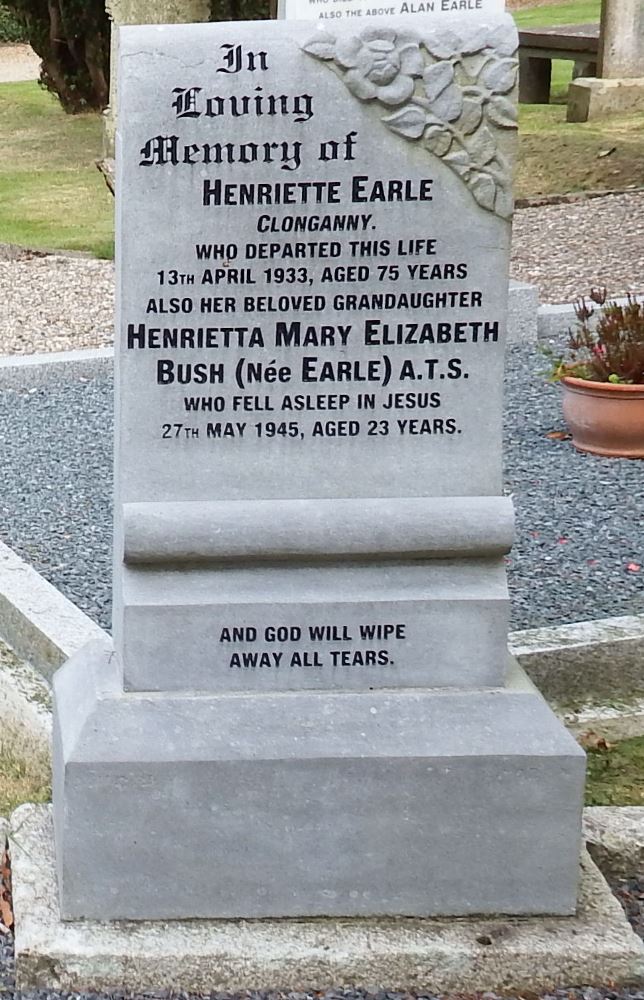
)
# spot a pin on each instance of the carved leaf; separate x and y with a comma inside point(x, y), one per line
point(437, 77)
point(438, 140)
point(504, 39)
point(468, 146)
point(442, 44)
point(502, 112)
point(483, 188)
point(500, 76)
point(459, 161)
point(449, 105)
point(322, 46)
point(475, 40)
point(409, 121)
point(482, 147)
point(470, 116)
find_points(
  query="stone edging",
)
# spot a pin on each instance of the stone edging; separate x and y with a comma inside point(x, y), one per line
point(554, 321)
point(541, 201)
point(572, 665)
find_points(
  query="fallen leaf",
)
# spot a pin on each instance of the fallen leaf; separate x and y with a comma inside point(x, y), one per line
point(633, 567)
point(6, 913)
point(562, 541)
point(606, 152)
point(558, 435)
point(6, 909)
point(591, 741)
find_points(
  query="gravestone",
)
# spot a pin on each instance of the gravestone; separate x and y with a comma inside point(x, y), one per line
point(621, 54)
point(619, 87)
point(308, 707)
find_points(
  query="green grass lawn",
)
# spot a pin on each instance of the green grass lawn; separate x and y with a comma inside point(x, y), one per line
point(53, 197)
point(22, 779)
point(615, 776)
point(556, 157)
point(51, 193)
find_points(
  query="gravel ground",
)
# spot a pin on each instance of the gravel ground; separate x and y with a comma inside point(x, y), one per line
point(18, 62)
point(55, 303)
point(50, 303)
point(565, 249)
point(580, 534)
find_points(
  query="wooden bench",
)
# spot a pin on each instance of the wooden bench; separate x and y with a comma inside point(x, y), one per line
point(539, 46)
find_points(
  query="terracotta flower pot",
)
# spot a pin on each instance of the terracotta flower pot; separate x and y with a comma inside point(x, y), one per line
point(605, 419)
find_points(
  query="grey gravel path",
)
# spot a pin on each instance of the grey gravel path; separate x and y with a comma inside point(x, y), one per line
point(565, 249)
point(53, 303)
point(580, 526)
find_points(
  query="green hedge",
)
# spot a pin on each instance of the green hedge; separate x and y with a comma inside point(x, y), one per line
point(239, 10)
point(11, 29)
point(72, 38)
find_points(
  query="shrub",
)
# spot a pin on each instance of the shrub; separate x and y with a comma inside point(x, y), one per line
point(11, 28)
point(609, 350)
point(72, 37)
point(239, 10)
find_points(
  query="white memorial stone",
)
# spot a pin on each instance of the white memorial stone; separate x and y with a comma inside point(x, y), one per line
point(310, 603)
point(356, 10)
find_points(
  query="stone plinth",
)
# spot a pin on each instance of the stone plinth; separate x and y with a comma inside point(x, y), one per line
point(591, 99)
point(310, 804)
point(466, 956)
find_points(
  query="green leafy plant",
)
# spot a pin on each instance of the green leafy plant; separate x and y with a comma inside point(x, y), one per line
point(11, 28)
point(239, 10)
point(72, 37)
point(610, 349)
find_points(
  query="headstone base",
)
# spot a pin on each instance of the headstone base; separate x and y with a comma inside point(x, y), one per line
point(471, 955)
point(310, 803)
point(590, 98)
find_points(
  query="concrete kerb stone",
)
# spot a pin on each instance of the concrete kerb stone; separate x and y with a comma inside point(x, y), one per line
point(457, 955)
point(523, 308)
point(25, 706)
point(601, 660)
point(41, 625)
point(571, 665)
point(88, 356)
point(614, 837)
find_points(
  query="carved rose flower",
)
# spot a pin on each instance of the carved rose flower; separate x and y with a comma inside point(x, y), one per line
point(381, 63)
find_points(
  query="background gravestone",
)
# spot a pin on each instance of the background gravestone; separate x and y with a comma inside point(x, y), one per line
point(307, 708)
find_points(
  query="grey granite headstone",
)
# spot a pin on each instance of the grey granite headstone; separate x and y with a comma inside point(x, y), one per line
point(305, 711)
